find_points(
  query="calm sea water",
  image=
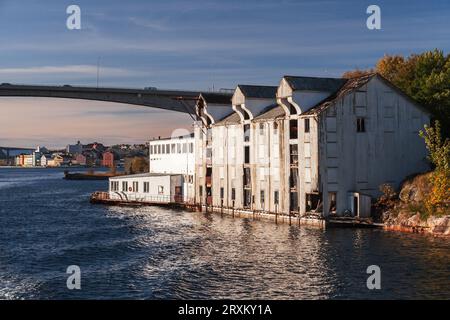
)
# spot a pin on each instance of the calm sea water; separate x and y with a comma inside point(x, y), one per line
point(47, 224)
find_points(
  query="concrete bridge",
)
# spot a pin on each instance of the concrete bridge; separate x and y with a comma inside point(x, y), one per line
point(173, 100)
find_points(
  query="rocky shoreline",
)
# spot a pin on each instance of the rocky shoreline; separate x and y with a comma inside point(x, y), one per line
point(407, 212)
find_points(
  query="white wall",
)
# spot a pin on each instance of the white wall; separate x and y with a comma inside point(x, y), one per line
point(180, 162)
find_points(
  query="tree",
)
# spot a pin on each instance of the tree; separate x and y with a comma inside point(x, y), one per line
point(439, 155)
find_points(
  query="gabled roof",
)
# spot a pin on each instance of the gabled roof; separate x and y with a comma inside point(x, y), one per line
point(231, 119)
point(349, 85)
point(315, 84)
point(263, 92)
point(272, 112)
point(219, 98)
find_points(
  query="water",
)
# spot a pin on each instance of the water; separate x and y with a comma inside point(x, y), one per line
point(47, 224)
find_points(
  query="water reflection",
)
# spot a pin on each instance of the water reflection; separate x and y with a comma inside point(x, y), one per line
point(155, 253)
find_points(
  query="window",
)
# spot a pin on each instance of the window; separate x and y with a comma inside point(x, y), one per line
point(246, 133)
point(173, 148)
point(233, 194)
point(247, 154)
point(178, 148)
point(114, 185)
point(135, 186)
point(262, 197)
point(200, 191)
point(163, 148)
point(146, 187)
point(360, 125)
point(159, 149)
point(184, 147)
point(151, 150)
point(261, 128)
point(276, 197)
point(191, 147)
point(160, 190)
point(332, 199)
point(306, 125)
point(293, 129)
point(124, 186)
point(222, 192)
point(168, 148)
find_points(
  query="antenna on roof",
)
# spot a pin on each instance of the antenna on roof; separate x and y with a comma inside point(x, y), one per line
point(98, 71)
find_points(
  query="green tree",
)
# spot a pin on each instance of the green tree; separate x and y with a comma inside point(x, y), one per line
point(439, 155)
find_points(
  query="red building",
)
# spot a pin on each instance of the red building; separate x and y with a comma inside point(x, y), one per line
point(108, 159)
point(80, 159)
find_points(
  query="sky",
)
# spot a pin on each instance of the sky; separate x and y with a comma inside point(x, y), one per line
point(185, 44)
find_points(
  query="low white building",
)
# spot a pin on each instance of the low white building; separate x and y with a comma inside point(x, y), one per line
point(170, 178)
point(147, 187)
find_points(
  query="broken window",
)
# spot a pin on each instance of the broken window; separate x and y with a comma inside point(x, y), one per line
point(293, 202)
point(360, 125)
point(293, 178)
point(313, 202)
point(247, 198)
point(246, 133)
point(293, 148)
point(332, 200)
point(247, 177)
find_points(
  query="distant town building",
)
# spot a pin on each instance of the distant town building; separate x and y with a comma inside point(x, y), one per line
point(108, 159)
point(74, 148)
point(80, 159)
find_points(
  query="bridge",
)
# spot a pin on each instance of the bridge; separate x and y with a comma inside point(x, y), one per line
point(7, 158)
point(173, 100)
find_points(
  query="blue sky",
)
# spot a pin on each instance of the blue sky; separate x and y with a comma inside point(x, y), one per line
point(205, 44)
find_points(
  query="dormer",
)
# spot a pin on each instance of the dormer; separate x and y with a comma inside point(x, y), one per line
point(299, 94)
point(213, 107)
point(249, 101)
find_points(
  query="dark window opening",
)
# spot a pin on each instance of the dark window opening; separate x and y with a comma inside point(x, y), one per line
point(222, 193)
point(247, 154)
point(307, 125)
point(360, 125)
point(313, 202)
point(293, 129)
point(292, 109)
point(293, 179)
point(276, 197)
point(247, 178)
point(332, 199)
point(233, 194)
point(247, 198)
point(293, 202)
point(262, 199)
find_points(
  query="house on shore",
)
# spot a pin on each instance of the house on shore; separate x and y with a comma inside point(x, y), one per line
point(309, 147)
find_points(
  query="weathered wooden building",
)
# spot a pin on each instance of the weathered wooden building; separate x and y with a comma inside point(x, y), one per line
point(311, 146)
